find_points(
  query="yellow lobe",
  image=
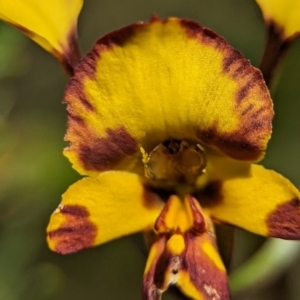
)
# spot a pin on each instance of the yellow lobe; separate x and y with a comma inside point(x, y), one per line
point(176, 244)
point(261, 201)
point(284, 13)
point(52, 24)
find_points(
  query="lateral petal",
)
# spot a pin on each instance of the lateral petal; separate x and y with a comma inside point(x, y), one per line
point(53, 25)
point(96, 210)
point(261, 201)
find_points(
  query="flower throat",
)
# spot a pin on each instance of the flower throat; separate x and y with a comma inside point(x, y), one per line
point(174, 163)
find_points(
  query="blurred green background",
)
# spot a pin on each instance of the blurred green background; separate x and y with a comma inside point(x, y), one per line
point(34, 174)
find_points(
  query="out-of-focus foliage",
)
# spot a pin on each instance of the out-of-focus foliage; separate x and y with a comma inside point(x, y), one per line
point(33, 172)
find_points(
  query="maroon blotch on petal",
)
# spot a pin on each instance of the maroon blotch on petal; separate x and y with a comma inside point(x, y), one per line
point(76, 90)
point(284, 221)
point(211, 194)
point(101, 154)
point(76, 233)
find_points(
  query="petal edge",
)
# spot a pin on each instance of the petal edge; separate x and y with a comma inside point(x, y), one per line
point(96, 210)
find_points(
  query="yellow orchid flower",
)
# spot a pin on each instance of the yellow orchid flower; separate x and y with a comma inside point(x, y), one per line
point(52, 26)
point(166, 120)
point(283, 21)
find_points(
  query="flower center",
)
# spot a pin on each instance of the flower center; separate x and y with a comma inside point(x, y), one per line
point(174, 162)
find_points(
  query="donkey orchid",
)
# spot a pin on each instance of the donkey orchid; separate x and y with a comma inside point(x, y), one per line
point(167, 121)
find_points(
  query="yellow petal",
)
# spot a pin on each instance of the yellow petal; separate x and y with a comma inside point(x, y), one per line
point(159, 80)
point(97, 210)
point(261, 201)
point(53, 24)
point(285, 15)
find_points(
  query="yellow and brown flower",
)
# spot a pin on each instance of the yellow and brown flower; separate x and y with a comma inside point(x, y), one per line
point(166, 121)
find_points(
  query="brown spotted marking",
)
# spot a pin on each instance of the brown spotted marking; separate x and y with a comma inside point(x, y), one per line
point(119, 37)
point(76, 233)
point(75, 120)
point(229, 62)
point(211, 194)
point(235, 65)
point(76, 90)
point(150, 198)
point(99, 154)
point(76, 127)
point(248, 142)
point(248, 77)
point(255, 122)
point(240, 69)
point(88, 65)
point(247, 110)
point(204, 35)
point(248, 83)
point(232, 145)
point(204, 274)
point(284, 221)
point(76, 211)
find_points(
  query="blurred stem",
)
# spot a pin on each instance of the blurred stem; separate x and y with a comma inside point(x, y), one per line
point(274, 257)
point(276, 48)
point(225, 239)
